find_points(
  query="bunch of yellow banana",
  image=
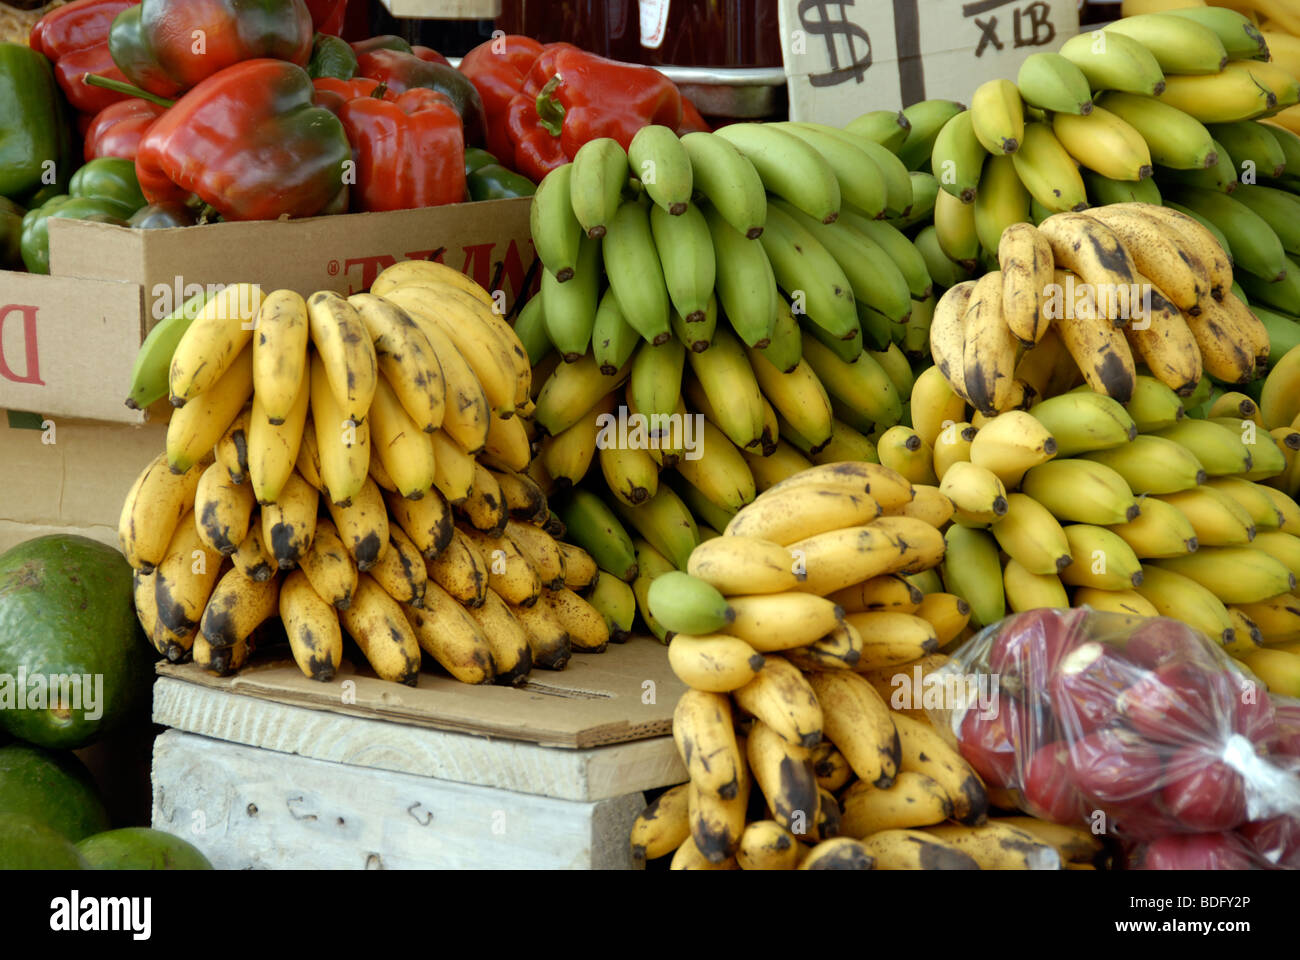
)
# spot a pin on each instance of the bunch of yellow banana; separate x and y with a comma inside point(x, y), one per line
point(1088, 297)
point(785, 629)
point(1146, 508)
point(359, 465)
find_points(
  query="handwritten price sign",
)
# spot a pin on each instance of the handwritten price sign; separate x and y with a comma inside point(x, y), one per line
point(844, 57)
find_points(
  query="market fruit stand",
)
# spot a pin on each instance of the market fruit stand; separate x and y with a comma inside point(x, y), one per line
point(868, 489)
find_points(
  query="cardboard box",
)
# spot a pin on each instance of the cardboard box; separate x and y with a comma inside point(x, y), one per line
point(626, 693)
point(68, 340)
point(843, 58)
point(69, 476)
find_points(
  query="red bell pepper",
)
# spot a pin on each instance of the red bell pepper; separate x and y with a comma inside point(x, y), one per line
point(405, 71)
point(118, 129)
point(534, 150)
point(580, 97)
point(332, 92)
point(410, 152)
point(168, 46)
point(327, 15)
point(249, 141)
point(430, 55)
point(75, 38)
point(497, 69)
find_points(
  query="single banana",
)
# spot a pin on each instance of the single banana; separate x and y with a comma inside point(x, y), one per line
point(1051, 82)
point(958, 156)
point(971, 571)
point(600, 171)
point(1113, 61)
point(555, 230)
point(730, 182)
point(237, 607)
point(378, 625)
point(913, 800)
point(512, 654)
point(1174, 138)
point(223, 509)
point(661, 163)
point(342, 443)
point(195, 428)
point(280, 354)
point(1082, 422)
point(784, 772)
point(446, 631)
point(635, 275)
point(997, 846)
point(1182, 598)
point(153, 509)
point(664, 825)
point(706, 742)
point(346, 352)
point(569, 309)
point(214, 342)
point(1236, 575)
point(184, 578)
point(252, 559)
point(312, 626)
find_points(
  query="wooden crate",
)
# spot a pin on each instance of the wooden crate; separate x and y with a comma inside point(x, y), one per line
point(260, 771)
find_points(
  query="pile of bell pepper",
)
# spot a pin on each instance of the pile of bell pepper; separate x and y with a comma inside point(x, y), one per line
point(169, 112)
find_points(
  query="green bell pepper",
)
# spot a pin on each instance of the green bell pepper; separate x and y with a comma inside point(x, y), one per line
point(36, 228)
point(476, 157)
point(494, 182)
point(35, 134)
point(108, 178)
point(331, 57)
point(11, 233)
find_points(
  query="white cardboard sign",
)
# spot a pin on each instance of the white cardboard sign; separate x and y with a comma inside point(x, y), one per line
point(845, 57)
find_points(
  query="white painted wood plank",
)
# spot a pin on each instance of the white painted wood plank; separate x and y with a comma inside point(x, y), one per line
point(594, 774)
point(247, 808)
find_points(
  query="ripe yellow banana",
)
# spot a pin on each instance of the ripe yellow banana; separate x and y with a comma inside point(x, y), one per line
point(312, 625)
point(214, 342)
point(153, 509)
point(860, 725)
point(451, 636)
point(406, 359)
point(223, 509)
point(363, 525)
point(280, 354)
point(784, 772)
point(237, 607)
point(195, 428)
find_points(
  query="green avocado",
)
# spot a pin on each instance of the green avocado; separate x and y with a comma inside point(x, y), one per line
point(74, 661)
point(28, 845)
point(139, 848)
point(52, 787)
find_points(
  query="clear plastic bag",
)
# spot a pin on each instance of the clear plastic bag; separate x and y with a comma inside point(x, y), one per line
point(1137, 727)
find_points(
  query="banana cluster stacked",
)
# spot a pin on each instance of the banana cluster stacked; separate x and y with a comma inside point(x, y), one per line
point(1157, 107)
point(353, 464)
point(1097, 292)
point(801, 208)
point(1135, 508)
point(757, 282)
point(788, 629)
point(1276, 22)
